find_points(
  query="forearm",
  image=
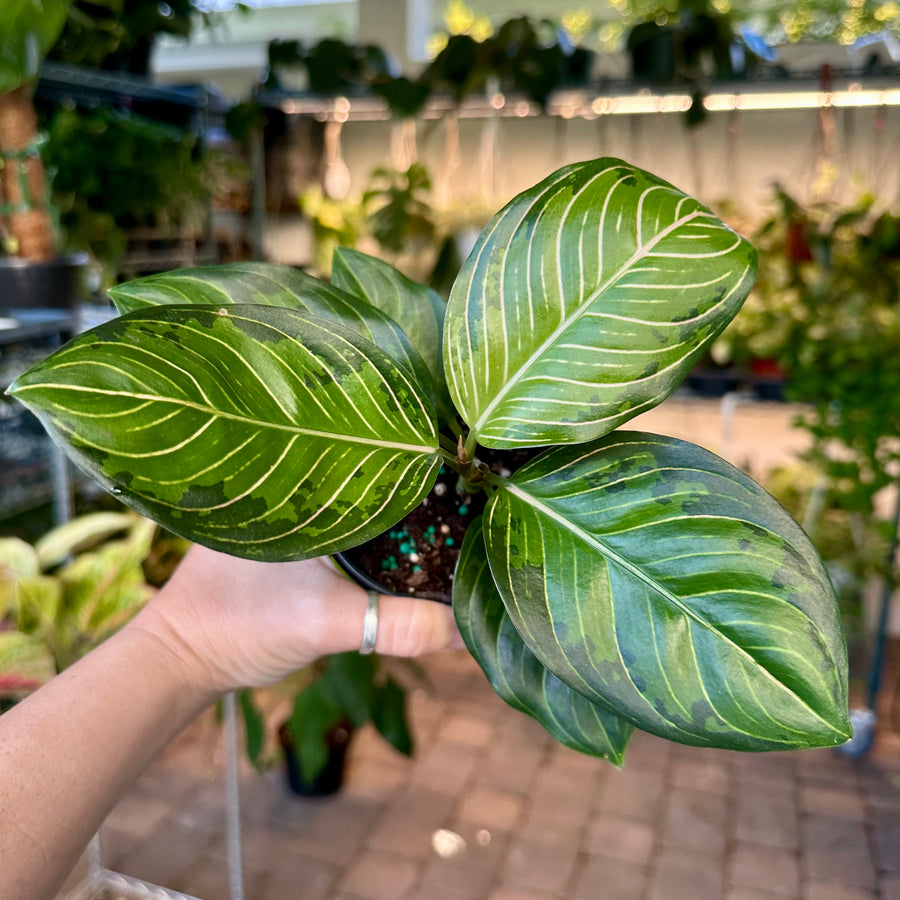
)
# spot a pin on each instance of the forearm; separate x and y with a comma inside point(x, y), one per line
point(136, 695)
point(70, 750)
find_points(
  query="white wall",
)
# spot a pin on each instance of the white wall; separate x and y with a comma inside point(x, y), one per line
point(733, 159)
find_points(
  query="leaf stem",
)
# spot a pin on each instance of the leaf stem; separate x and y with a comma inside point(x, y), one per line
point(447, 444)
point(468, 449)
point(450, 458)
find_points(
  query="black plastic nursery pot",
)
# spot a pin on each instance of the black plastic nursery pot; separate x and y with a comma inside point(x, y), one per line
point(41, 285)
point(330, 780)
point(417, 557)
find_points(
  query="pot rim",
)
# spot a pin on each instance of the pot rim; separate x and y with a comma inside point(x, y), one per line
point(364, 579)
point(65, 260)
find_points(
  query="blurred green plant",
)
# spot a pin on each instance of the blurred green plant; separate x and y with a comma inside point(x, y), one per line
point(394, 213)
point(790, 21)
point(853, 551)
point(68, 592)
point(119, 34)
point(335, 223)
point(114, 170)
point(523, 55)
point(398, 213)
point(344, 691)
point(29, 30)
point(826, 307)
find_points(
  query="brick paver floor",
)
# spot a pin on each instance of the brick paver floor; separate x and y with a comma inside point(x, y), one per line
point(518, 817)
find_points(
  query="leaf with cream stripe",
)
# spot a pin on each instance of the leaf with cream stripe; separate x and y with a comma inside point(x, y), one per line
point(264, 432)
point(585, 302)
point(272, 285)
point(418, 307)
point(514, 671)
point(662, 583)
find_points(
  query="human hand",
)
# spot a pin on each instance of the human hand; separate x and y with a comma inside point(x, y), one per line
point(240, 623)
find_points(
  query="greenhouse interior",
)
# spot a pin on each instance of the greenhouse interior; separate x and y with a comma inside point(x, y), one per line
point(450, 450)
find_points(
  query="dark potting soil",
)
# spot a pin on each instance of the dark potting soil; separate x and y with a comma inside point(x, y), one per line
point(418, 555)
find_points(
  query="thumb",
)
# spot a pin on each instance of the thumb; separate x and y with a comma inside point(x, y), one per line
point(411, 627)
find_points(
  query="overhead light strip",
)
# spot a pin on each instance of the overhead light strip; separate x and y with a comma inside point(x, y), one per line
point(576, 105)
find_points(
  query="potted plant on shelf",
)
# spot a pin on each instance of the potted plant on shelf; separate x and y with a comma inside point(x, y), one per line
point(32, 274)
point(66, 593)
point(330, 701)
point(615, 579)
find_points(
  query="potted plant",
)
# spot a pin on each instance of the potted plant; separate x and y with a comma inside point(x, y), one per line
point(102, 205)
point(66, 593)
point(329, 702)
point(616, 579)
point(32, 274)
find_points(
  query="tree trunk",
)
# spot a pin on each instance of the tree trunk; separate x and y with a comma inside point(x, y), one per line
point(30, 229)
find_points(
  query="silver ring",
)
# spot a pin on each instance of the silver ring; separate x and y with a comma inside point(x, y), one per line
point(370, 624)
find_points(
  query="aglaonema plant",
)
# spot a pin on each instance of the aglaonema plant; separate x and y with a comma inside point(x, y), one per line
point(616, 580)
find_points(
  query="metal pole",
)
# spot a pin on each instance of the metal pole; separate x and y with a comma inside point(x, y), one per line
point(62, 486)
point(886, 594)
point(232, 803)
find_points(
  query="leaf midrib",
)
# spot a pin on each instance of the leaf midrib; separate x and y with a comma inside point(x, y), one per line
point(611, 554)
point(579, 310)
point(247, 420)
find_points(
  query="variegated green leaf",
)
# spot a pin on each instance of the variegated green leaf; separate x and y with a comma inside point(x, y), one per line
point(18, 559)
point(658, 580)
point(419, 308)
point(25, 663)
point(585, 302)
point(106, 587)
point(513, 670)
point(30, 29)
point(261, 431)
point(272, 285)
point(79, 534)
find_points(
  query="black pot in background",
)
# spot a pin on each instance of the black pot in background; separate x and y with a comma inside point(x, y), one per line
point(56, 284)
point(652, 49)
point(713, 382)
point(331, 778)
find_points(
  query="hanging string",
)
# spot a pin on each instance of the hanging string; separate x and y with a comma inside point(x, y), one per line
point(845, 167)
point(879, 122)
point(636, 129)
point(694, 160)
point(404, 149)
point(452, 160)
point(487, 156)
point(732, 138)
point(890, 158)
point(602, 136)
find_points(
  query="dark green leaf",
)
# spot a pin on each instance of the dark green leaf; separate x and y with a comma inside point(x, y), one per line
point(315, 714)
point(658, 580)
point(585, 302)
point(419, 308)
point(260, 431)
point(350, 680)
point(254, 727)
point(29, 30)
point(272, 285)
point(389, 716)
point(513, 670)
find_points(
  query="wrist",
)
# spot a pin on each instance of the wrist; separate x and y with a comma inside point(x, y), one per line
point(193, 682)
